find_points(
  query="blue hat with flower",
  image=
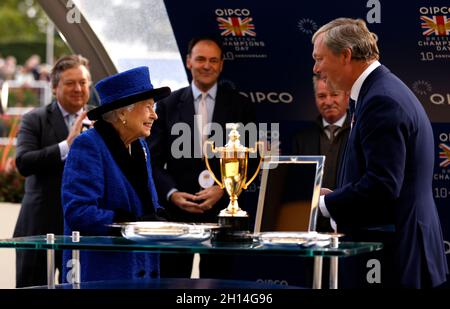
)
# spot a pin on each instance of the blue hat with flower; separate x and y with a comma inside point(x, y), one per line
point(124, 89)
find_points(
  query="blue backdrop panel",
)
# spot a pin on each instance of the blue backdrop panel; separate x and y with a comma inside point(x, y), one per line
point(268, 58)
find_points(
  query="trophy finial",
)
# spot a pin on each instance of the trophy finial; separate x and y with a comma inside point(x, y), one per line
point(233, 136)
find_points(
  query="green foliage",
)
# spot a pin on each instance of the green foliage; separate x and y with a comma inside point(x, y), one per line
point(23, 30)
point(23, 50)
point(11, 182)
point(11, 187)
point(22, 20)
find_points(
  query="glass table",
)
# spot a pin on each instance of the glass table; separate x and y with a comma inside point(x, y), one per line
point(75, 243)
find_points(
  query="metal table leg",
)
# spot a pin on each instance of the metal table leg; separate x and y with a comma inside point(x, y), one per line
point(50, 262)
point(333, 282)
point(317, 277)
point(75, 272)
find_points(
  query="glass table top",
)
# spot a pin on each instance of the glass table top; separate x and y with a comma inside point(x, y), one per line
point(112, 243)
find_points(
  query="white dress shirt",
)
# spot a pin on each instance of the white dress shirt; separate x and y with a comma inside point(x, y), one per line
point(64, 146)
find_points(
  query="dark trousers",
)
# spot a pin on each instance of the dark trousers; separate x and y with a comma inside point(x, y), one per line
point(31, 267)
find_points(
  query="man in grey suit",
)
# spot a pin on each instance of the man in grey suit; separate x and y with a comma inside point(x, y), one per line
point(329, 133)
point(43, 143)
point(326, 136)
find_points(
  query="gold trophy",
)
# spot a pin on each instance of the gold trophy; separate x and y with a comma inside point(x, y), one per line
point(234, 221)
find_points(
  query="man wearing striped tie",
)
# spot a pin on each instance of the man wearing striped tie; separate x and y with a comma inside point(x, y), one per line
point(326, 136)
point(43, 143)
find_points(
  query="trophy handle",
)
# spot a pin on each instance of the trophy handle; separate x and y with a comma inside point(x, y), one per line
point(214, 150)
point(253, 150)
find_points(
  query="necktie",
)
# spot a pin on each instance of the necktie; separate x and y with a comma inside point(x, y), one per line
point(203, 112)
point(332, 129)
point(351, 111)
point(70, 120)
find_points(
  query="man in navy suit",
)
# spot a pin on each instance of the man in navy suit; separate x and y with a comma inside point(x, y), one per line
point(177, 179)
point(385, 184)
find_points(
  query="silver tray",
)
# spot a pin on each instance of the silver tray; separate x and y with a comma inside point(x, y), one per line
point(303, 239)
point(165, 231)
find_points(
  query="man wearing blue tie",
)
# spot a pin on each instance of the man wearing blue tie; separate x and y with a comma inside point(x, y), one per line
point(384, 187)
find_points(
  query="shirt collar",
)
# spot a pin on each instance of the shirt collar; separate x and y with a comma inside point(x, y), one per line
point(65, 113)
point(356, 88)
point(338, 123)
point(212, 92)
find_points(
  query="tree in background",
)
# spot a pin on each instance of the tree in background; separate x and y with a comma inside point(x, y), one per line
point(23, 26)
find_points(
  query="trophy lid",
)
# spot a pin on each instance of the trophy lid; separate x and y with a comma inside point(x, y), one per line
point(233, 138)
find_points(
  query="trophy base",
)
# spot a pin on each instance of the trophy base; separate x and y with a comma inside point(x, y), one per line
point(233, 229)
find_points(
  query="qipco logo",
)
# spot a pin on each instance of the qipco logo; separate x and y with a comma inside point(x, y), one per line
point(270, 97)
point(232, 12)
point(440, 98)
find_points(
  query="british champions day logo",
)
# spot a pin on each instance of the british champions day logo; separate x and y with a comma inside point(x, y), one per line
point(435, 25)
point(444, 155)
point(435, 29)
point(237, 27)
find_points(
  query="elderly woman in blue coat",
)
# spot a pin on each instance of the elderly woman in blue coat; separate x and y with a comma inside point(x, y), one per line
point(107, 176)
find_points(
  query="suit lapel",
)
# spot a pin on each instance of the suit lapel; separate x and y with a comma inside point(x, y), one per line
point(186, 111)
point(56, 121)
point(221, 107)
point(186, 107)
point(370, 80)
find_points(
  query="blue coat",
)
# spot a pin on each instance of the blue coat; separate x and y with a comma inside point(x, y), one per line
point(386, 182)
point(93, 185)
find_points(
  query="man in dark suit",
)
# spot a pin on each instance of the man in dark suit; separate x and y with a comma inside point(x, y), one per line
point(384, 187)
point(326, 136)
point(177, 169)
point(43, 143)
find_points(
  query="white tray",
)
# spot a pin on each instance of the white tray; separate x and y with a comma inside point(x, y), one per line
point(304, 239)
point(165, 231)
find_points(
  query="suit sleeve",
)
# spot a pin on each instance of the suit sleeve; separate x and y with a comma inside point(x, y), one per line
point(31, 157)
point(384, 129)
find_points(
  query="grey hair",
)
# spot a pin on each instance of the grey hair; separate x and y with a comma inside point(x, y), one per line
point(315, 78)
point(113, 116)
point(342, 33)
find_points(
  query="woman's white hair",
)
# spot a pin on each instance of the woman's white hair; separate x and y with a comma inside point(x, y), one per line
point(113, 116)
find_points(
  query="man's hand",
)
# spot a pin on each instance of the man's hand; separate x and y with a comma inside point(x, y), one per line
point(76, 128)
point(209, 197)
point(325, 191)
point(186, 201)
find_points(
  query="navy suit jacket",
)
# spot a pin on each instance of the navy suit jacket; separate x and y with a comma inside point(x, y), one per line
point(386, 181)
point(182, 173)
